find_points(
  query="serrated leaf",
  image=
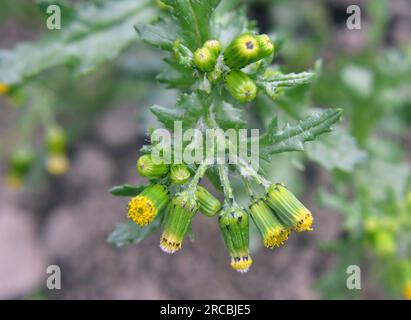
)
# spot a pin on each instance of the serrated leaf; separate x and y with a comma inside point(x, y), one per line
point(160, 34)
point(271, 83)
point(129, 232)
point(127, 190)
point(176, 75)
point(193, 17)
point(337, 150)
point(97, 34)
point(292, 138)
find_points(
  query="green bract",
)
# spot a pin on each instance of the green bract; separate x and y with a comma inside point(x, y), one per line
point(208, 204)
point(177, 221)
point(235, 229)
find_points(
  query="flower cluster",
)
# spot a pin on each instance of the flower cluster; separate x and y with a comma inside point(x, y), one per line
point(244, 50)
point(275, 214)
point(23, 158)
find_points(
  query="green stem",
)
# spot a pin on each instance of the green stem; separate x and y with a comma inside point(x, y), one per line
point(228, 191)
point(201, 170)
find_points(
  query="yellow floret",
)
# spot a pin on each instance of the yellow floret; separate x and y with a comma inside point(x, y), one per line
point(141, 210)
point(241, 264)
point(276, 237)
point(304, 220)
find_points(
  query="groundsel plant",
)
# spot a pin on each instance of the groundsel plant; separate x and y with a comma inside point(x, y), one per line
point(220, 63)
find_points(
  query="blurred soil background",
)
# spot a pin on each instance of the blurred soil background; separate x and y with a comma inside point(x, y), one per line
point(67, 220)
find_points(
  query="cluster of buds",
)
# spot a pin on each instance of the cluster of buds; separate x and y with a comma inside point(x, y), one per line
point(23, 158)
point(205, 58)
point(244, 50)
point(177, 173)
point(276, 214)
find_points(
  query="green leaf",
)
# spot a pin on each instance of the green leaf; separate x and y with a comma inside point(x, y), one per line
point(193, 18)
point(292, 138)
point(127, 190)
point(176, 75)
point(129, 232)
point(160, 34)
point(337, 150)
point(272, 82)
point(97, 34)
point(189, 109)
point(227, 116)
point(225, 26)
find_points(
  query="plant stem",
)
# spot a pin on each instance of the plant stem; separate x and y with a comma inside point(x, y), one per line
point(201, 170)
point(228, 191)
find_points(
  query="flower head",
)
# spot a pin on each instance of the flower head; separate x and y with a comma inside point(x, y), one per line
point(57, 164)
point(241, 86)
point(144, 208)
point(180, 212)
point(4, 88)
point(234, 225)
point(146, 167)
point(407, 290)
point(242, 51)
point(204, 59)
point(266, 45)
point(274, 233)
point(288, 208)
point(179, 174)
point(214, 46)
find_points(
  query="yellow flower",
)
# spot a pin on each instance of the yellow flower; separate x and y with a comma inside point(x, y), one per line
point(142, 210)
point(170, 243)
point(276, 237)
point(288, 208)
point(304, 220)
point(241, 264)
point(407, 290)
point(57, 164)
point(4, 88)
point(273, 232)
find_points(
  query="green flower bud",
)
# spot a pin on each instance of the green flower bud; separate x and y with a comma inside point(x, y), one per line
point(288, 208)
point(242, 51)
point(179, 173)
point(21, 160)
point(56, 140)
point(266, 45)
point(234, 225)
point(177, 221)
point(204, 59)
point(208, 204)
point(273, 232)
point(214, 46)
point(384, 243)
point(143, 209)
point(147, 168)
point(240, 86)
